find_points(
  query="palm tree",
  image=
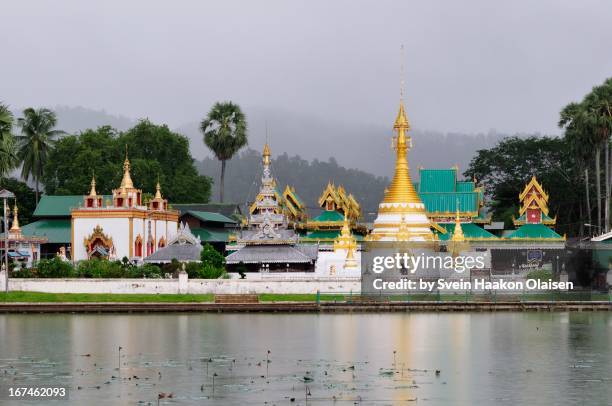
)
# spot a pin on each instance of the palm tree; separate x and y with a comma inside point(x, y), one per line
point(35, 141)
point(8, 158)
point(579, 136)
point(225, 132)
point(599, 106)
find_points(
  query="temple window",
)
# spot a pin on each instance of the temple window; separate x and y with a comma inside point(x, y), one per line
point(120, 201)
point(138, 247)
point(90, 202)
point(129, 202)
point(155, 205)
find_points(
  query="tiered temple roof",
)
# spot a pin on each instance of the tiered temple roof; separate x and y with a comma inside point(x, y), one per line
point(443, 194)
point(338, 206)
point(534, 221)
point(267, 239)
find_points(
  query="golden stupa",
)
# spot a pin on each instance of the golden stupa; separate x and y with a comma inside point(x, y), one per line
point(401, 214)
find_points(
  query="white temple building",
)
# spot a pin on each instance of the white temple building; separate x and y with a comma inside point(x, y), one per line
point(123, 227)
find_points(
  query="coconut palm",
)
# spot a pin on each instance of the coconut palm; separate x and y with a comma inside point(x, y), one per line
point(35, 141)
point(8, 159)
point(225, 132)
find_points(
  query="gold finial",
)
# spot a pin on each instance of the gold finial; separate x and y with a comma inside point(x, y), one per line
point(92, 191)
point(158, 194)
point(126, 182)
point(266, 155)
point(458, 233)
point(15, 226)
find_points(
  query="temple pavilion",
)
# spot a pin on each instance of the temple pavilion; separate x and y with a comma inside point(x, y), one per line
point(124, 226)
point(266, 243)
point(22, 249)
point(339, 208)
point(533, 222)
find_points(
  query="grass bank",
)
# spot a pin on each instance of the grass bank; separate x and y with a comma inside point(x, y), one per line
point(19, 296)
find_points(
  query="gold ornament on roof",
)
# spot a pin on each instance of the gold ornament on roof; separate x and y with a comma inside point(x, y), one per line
point(126, 182)
point(158, 194)
point(92, 191)
point(458, 233)
point(15, 226)
point(266, 155)
point(346, 240)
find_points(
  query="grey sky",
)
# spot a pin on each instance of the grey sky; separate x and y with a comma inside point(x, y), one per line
point(471, 66)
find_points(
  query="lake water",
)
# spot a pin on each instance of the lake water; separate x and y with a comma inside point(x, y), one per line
point(364, 359)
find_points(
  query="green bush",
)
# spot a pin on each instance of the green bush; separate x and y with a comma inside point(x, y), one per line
point(55, 268)
point(540, 274)
point(145, 271)
point(23, 273)
point(211, 257)
point(172, 268)
point(193, 269)
point(211, 272)
point(100, 268)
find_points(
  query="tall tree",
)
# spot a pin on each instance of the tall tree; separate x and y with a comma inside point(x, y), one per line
point(598, 107)
point(34, 143)
point(580, 140)
point(506, 168)
point(155, 152)
point(225, 133)
point(8, 158)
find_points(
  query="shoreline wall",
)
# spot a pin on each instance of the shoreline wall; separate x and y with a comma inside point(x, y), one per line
point(184, 285)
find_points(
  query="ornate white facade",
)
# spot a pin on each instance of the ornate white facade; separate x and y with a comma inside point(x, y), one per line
point(123, 227)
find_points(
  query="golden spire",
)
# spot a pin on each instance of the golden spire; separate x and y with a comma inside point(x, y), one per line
point(401, 189)
point(92, 192)
point(266, 155)
point(458, 233)
point(158, 191)
point(15, 226)
point(126, 182)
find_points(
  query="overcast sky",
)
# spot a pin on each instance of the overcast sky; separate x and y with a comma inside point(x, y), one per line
point(471, 66)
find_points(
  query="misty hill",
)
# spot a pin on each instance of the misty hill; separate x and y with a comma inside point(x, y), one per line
point(75, 119)
point(243, 173)
point(351, 144)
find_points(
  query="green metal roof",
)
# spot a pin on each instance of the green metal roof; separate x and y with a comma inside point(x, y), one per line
point(59, 206)
point(323, 234)
point(437, 180)
point(328, 234)
point(534, 232)
point(467, 186)
point(57, 231)
point(210, 216)
point(447, 202)
point(470, 231)
point(329, 215)
point(545, 217)
point(211, 235)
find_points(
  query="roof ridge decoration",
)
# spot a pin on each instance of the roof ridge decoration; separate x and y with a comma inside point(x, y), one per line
point(534, 198)
point(184, 236)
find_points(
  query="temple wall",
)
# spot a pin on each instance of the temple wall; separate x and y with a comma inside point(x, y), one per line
point(116, 228)
point(195, 286)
